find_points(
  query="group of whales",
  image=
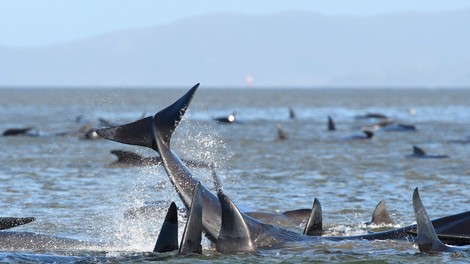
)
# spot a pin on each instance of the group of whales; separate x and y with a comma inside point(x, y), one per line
point(367, 133)
point(217, 215)
point(234, 231)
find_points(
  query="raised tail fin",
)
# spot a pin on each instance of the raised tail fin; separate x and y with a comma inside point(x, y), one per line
point(380, 215)
point(168, 238)
point(234, 235)
point(145, 132)
point(192, 236)
point(427, 237)
point(314, 224)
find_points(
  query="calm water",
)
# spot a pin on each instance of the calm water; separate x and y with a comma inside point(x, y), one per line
point(68, 185)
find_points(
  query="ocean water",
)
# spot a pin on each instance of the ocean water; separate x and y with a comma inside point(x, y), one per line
point(70, 187)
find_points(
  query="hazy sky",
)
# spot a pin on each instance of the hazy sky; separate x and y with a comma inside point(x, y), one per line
point(37, 23)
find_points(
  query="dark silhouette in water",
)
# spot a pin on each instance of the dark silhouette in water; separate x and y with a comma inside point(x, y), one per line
point(372, 116)
point(128, 158)
point(226, 119)
point(367, 135)
point(331, 124)
point(391, 126)
point(9, 222)
point(25, 131)
point(420, 153)
point(291, 113)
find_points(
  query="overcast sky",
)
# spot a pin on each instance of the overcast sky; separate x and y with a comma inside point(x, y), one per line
point(38, 23)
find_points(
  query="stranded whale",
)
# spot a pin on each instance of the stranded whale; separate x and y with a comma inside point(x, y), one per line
point(155, 132)
point(9, 222)
point(128, 158)
point(420, 153)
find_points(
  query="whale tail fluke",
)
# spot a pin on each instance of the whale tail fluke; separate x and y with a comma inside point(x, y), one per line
point(168, 119)
point(168, 238)
point(192, 235)
point(145, 132)
point(234, 235)
point(427, 237)
point(380, 216)
point(314, 224)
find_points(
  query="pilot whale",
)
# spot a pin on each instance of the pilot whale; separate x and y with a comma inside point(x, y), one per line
point(24, 131)
point(155, 132)
point(10, 240)
point(128, 158)
point(420, 153)
point(13, 240)
point(9, 222)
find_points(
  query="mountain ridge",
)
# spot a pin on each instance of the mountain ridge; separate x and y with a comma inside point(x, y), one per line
point(284, 49)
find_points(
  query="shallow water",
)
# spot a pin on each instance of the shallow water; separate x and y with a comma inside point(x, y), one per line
point(68, 185)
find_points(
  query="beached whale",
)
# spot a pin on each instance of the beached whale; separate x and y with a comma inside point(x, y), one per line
point(226, 119)
point(15, 240)
point(390, 126)
point(367, 135)
point(129, 158)
point(421, 154)
point(23, 131)
point(10, 222)
point(155, 132)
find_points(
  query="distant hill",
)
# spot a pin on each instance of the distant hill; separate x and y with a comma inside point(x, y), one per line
point(285, 49)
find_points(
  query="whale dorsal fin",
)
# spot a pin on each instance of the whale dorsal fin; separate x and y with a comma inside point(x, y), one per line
point(418, 151)
point(168, 238)
point(234, 235)
point(291, 113)
point(331, 124)
point(314, 224)
point(192, 236)
point(380, 215)
point(427, 237)
point(369, 134)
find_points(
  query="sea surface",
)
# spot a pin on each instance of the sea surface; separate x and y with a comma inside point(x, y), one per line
point(72, 189)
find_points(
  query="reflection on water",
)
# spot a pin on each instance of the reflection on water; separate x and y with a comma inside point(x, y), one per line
point(67, 185)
